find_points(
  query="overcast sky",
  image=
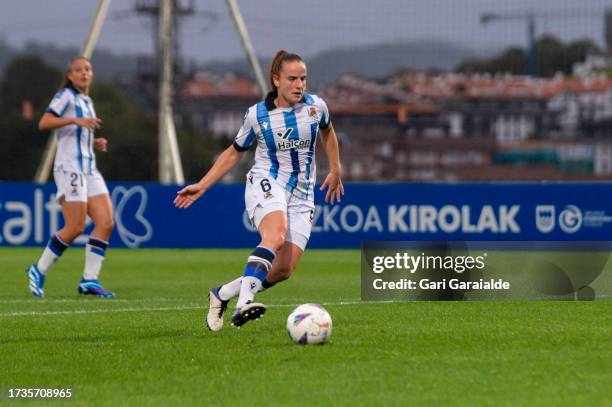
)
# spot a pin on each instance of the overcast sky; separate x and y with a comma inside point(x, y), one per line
point(305, 27)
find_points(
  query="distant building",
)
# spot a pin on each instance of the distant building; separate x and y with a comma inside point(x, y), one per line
point(478, 127)
point(216, 105)
point(594, 64)
point(451, 127)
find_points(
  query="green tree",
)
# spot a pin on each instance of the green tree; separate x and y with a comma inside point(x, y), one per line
point(28, 78)
point(133, 140)
point(552, 56)
point(513, 60)
point(578, 50)
point(22, 147)
point(197, 151)
point(131, 134)
point(25, 78)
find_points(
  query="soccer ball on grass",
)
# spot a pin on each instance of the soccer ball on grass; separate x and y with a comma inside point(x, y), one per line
point(309, 324)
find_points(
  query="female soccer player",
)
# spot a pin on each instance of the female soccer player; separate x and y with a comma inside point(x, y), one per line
point(81, 190)
point(279, 194)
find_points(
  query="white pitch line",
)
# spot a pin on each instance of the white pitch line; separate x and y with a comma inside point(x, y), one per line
point(157, 309)
point(48, 301)
point(182, 308)
point(95, 311)
point(90, 300)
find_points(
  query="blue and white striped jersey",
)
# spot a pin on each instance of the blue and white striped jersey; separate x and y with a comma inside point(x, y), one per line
point(286, 139)
point(75, 151)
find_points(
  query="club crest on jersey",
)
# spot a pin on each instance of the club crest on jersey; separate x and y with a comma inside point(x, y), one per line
point(312, 111)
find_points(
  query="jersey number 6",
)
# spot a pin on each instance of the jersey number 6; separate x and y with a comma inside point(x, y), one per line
point(265, 185)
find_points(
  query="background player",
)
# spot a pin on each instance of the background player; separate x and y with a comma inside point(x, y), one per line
point(279, 193)
point(81, 190)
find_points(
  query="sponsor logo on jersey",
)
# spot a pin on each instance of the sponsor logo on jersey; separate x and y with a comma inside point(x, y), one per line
point(289, 144)
point(286, 144)
point(286, 134)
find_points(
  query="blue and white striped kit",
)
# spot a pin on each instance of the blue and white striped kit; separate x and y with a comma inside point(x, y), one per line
point(75, 143)
point(286, 139)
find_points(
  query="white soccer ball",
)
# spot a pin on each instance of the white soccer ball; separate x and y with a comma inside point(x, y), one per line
point(309, 324)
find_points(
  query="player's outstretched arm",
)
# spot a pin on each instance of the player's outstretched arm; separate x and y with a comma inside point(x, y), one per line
point(226, 161)
point(50, 122)
point(333, 180)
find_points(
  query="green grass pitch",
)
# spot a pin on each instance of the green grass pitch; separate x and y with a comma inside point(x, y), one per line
point(150, 347)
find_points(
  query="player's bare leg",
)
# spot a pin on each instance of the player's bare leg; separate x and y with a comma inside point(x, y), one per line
point(284, 265)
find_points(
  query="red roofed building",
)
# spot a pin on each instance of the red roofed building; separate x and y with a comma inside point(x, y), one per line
point(214, 104)
point(469, 127)
point(419, 127)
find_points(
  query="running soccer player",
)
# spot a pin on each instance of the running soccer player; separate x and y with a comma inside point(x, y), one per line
point(81, 190)
point(279, 193)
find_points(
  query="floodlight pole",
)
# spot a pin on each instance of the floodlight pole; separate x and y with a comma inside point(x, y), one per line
point(170, 168)
point(248, 47)
point(96, 27)
point(44, 168)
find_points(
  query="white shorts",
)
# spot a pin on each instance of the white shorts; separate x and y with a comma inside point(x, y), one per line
point(78, 187)
point(263, 195)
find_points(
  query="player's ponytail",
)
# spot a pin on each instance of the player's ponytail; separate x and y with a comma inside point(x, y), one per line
point(66, 82)
point(277, 65)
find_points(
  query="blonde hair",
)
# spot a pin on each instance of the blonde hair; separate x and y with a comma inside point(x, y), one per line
point(66, 81)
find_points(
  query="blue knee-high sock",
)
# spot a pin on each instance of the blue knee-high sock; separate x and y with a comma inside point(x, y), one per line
point(255, 273)
point(54, 250)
